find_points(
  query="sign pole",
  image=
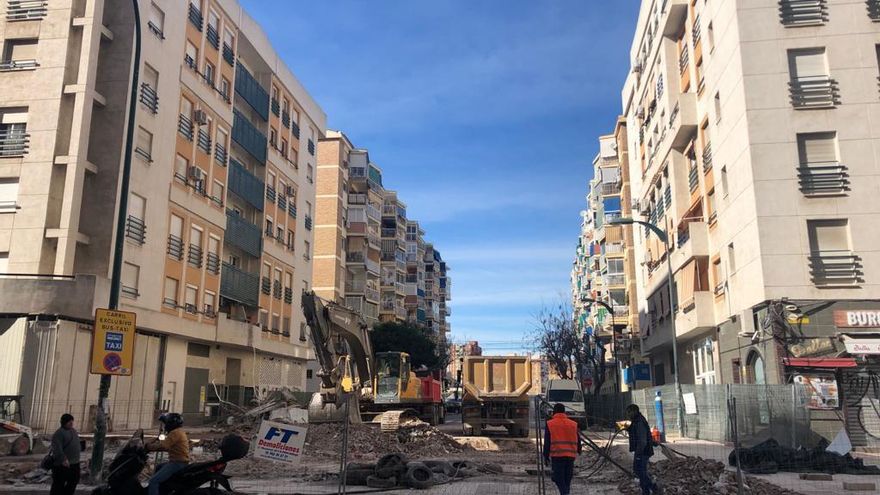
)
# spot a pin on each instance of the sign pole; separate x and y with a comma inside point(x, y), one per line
point(96, 464)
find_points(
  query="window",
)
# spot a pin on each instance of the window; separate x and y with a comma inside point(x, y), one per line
point(190, 299)
point(264, 320)
point(817, 148)
point(191, 55)
point(195, 236)
point(710, 31)
point(14, 139)
point(209, 73)
point(290, 240)
point(8, 195)
point(307, 247)
point(283, 147)
point(308, 208)
point(270, 226)
point(156, 21)
point(151, 77)
point(710, 206)
point(181, 165)
point(171, 288)
point(224, 88)
point(810, 83)
point(717, 107)
point(273, 137)
point(828, 236)
point(144, 146)
point(276, 283)
point(725, 188)
point(310, 176)
point(308, 373)
point(807, 63)
point(210, 302)
point(717, 276)
point(731, 259)
point(198, 350)
point(19, 54)
point(228, 38)
point(218, 192)
point(704, 362)
point(135, 226)
point(4, 262)
point(279, 232)
point(130, 276)
point(222, 138)
point(302, 334)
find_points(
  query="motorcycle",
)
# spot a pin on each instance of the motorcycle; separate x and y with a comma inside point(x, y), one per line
point(128, 463)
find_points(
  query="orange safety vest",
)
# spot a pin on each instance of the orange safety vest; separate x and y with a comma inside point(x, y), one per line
point(563, 436)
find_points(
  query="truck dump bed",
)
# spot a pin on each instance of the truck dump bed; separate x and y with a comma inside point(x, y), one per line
point(496, 377)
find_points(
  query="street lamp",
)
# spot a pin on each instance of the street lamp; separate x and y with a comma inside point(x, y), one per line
point(613, 337)
point(663, 236)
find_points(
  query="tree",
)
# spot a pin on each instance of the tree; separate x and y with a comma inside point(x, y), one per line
point(557, 339)
point(414, 340)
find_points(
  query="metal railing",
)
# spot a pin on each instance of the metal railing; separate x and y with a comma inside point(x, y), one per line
point(135, 229)
point(308, 222)
point(667, 197)
point(155, 30)
point(823, 178)
point(276, 289)
point(185, 127)
point(175, 247)
point(249, 137)
point(195, 16)
point(149, 98)
point(874, 9)
point(276, 107)
point(252, 92)
point(814, 92)
point(288, 295)
point(243, 234)
point(11, 65)
point(26, 10)
point(213, 37)
point(294, 129)
point(311, 147)
point(683, 59)
point(835, 268)
point(195, 257)
point(204, 141)
point(14, 143)
point(239, 285)
point(265, 285)
point(794, 13)
point(707, 157)
point(212, 264)
point(291, 209)
point(609, 188)
point(271, 194)
point(285, 119)
point(282, 202)
point(220, 154)
point(228, 55)
point(696, 31)
point(246, 185)
point(693, 179)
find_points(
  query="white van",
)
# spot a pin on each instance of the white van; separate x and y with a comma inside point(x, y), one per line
point(568, 393)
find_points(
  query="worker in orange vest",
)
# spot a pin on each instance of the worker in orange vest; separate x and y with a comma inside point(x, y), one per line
point(562, 444)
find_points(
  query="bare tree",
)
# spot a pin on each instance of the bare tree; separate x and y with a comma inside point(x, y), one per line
point(556, 338)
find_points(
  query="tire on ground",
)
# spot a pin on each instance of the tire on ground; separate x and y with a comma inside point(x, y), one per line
point(396, 460)
point(418, 475)
point(358, 477)
point(390, 472)
point(377, 482)
point(440, 467)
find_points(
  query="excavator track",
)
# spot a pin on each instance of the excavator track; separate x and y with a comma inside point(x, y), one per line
point(391, 420)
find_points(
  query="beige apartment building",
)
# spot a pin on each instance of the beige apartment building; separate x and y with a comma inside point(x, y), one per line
point(751, 142)
point(219, 233)
point(368, 254)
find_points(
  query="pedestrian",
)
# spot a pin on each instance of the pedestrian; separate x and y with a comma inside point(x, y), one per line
point(176, 443)
point(562, 444)
point(65, 458)
point(642, 446)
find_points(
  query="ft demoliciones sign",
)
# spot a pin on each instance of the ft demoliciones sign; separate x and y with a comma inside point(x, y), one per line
point(113, 342)
point(280, 442)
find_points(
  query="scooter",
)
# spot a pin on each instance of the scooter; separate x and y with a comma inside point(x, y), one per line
point(131, 460)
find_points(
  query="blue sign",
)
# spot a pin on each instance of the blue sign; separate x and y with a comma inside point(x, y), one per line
point(113, 342)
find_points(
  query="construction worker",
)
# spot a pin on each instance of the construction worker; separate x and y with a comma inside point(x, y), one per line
point(562, 444)
point(642, 446)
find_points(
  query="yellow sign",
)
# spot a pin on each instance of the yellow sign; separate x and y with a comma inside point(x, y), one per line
point(113, 342)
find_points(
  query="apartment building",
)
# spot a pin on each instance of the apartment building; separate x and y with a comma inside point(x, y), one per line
point(368, 254)
point(751, 144)
point(604, 267)
point(219, 222)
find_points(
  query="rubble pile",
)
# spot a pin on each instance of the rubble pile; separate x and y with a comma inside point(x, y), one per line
point(697, 476)
point(366, 441)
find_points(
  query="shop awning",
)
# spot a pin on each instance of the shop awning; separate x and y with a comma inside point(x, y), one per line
point(820, 362)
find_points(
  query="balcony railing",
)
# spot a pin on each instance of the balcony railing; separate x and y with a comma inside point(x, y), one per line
point(204, 141)
point(252, 92)
point(355, 257)
point(265, 285)
point(239, 285)
point(357, 199)
point(874, 10)
point(135, 229)
point(707, 157)
point(282, 202)
point(294, 129)
point(610, 188)
point(311, 147)
point(246, 185)
point(683, 59)
point(285, 119)
point(835, 268)
point(143, 154)
point(195, 16)
point(696, 31)
point(195, 256)
point(14, 143)
point(794, 13)
point(243, 234)
point(220, 154)
point(667, 197)
point(276, 107)
point(213, 37)
point(830, 178)
point(271, 194)
point(26, 10)
point(228, 55)
point(249, 137)
point(175, 247)
point(814, 92)
point(212, 264)
point(155, 30)
point(389, 233)
point(693, 179)
point(185, 127)
point(372, 266)
point(291, 209)
point(11, 65)
point(615, 279)
point(308, 222)
point(149, 98)
point(276, 290)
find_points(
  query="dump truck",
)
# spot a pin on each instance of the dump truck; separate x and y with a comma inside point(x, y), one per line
point(496, 394)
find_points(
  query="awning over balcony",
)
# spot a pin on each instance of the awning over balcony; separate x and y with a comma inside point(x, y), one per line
point(820, 362)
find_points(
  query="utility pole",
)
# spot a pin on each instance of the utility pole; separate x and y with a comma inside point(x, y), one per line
point(96, 464)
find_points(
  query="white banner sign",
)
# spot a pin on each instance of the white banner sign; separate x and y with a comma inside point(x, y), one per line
point(862, 346)
point(280, 442)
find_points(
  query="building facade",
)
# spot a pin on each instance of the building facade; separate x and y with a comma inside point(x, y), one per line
point(750, 143)
point(218, 237)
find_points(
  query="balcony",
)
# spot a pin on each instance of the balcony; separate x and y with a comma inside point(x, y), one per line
point(372, 266)
point(614, 279)
point(695, 314)
point(204, 141)
point(794, 13)
point(252, 92)
point(175, 247)
point(195, 16)
point(149, 98)
point(673, 14)
point(835, 269)
point(213, 263)
point(609, 188)
point(14, 143)
point(814, 92)
point(228, 55)
point(355, 257)
point(823, 179)
point(245, 185)
point(243, 234)
point(26, 10)
point(213, 37)
point(682, 121)
point(239, 286)
point(185, 127)
point(249, 137)
point(136, 229)
point(692, 240)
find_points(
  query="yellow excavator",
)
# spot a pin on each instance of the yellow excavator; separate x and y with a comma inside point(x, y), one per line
point(370, 386)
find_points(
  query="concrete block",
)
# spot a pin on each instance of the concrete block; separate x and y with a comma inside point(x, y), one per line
point(859, 487)
point(816, 477)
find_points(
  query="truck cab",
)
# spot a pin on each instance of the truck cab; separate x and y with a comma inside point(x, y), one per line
point(569, 394)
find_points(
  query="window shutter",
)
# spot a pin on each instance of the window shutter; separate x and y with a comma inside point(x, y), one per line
point(807, 63)
point(176, 228)
point(818, 147)
point(130, 274)
point(8, 190)
point(137, 206)
point(23, 50)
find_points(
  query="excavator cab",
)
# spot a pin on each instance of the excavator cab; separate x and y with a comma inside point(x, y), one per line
point(392, 376)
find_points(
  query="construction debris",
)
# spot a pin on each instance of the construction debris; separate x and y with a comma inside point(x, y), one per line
point(770, 457)
point(697, 476)
point(366, 441)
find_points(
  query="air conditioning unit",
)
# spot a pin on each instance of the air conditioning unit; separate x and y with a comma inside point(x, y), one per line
point(195, 173)
point(200, 117)
point(636, 206)
point(637, 67)
point(640, 112)
point(290, 191)
point(747, 324)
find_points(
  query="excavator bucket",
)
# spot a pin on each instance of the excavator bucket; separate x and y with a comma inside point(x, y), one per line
point(329, 412)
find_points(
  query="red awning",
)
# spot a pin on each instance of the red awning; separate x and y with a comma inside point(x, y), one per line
point(820, 362)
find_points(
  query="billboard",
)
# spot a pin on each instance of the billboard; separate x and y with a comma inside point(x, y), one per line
point(280, 442)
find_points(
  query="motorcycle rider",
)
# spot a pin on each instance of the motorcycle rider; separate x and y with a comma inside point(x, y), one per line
point(176, 443)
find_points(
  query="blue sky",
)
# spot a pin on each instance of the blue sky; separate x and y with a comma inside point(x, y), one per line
point(483, 115)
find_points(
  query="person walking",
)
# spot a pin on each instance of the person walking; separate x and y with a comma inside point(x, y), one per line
point(562, 444)
point(176, 443)
point(642, 446)
point(65, 458)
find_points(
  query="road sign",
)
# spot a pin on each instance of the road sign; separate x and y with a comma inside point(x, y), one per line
point(280, 442)
point(113, 342)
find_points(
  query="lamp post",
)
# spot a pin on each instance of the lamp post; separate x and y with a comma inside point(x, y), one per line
point(663, 236)
point(613, 338)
